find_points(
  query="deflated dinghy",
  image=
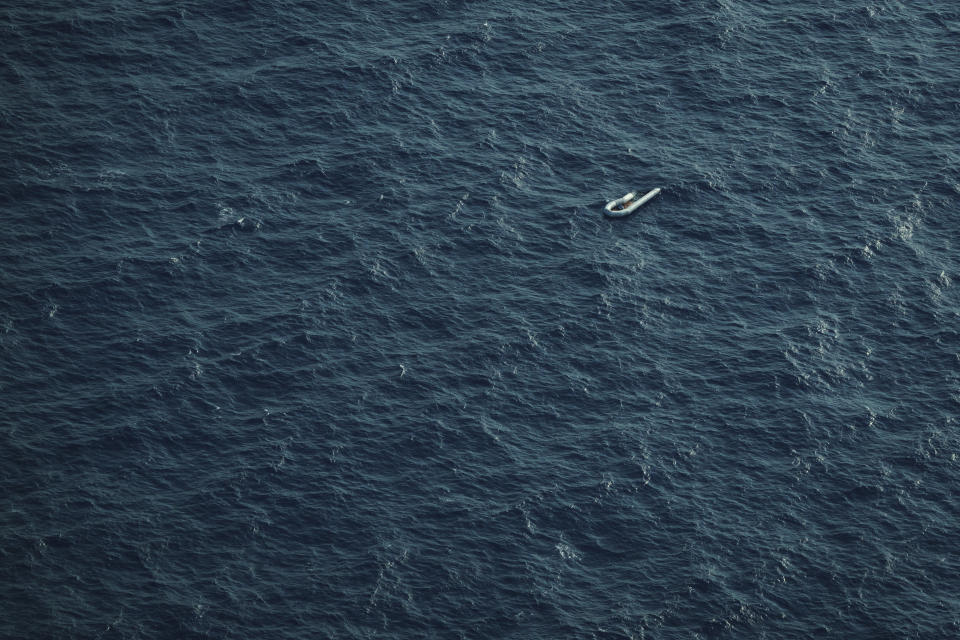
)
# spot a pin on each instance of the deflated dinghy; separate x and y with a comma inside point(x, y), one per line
point(629, 203)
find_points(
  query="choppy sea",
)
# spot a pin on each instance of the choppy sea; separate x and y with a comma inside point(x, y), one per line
point(311, 325)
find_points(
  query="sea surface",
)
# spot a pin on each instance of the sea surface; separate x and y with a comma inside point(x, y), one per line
point(311, 324)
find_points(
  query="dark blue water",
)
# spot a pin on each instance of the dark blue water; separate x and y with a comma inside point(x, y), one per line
point(311, 325)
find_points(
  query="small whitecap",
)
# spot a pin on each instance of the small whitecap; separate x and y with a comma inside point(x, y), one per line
point(532, 337)
point(567, 552)
point(905, 230)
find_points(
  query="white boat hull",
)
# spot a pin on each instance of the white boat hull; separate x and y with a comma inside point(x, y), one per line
point(612, 207)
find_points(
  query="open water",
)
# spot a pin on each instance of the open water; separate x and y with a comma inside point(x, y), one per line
point(311, 325)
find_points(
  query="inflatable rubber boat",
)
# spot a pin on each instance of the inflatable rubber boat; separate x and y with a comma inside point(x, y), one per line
point(629, 203)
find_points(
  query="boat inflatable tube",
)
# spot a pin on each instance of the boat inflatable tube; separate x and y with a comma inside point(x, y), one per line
point(626, 205)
